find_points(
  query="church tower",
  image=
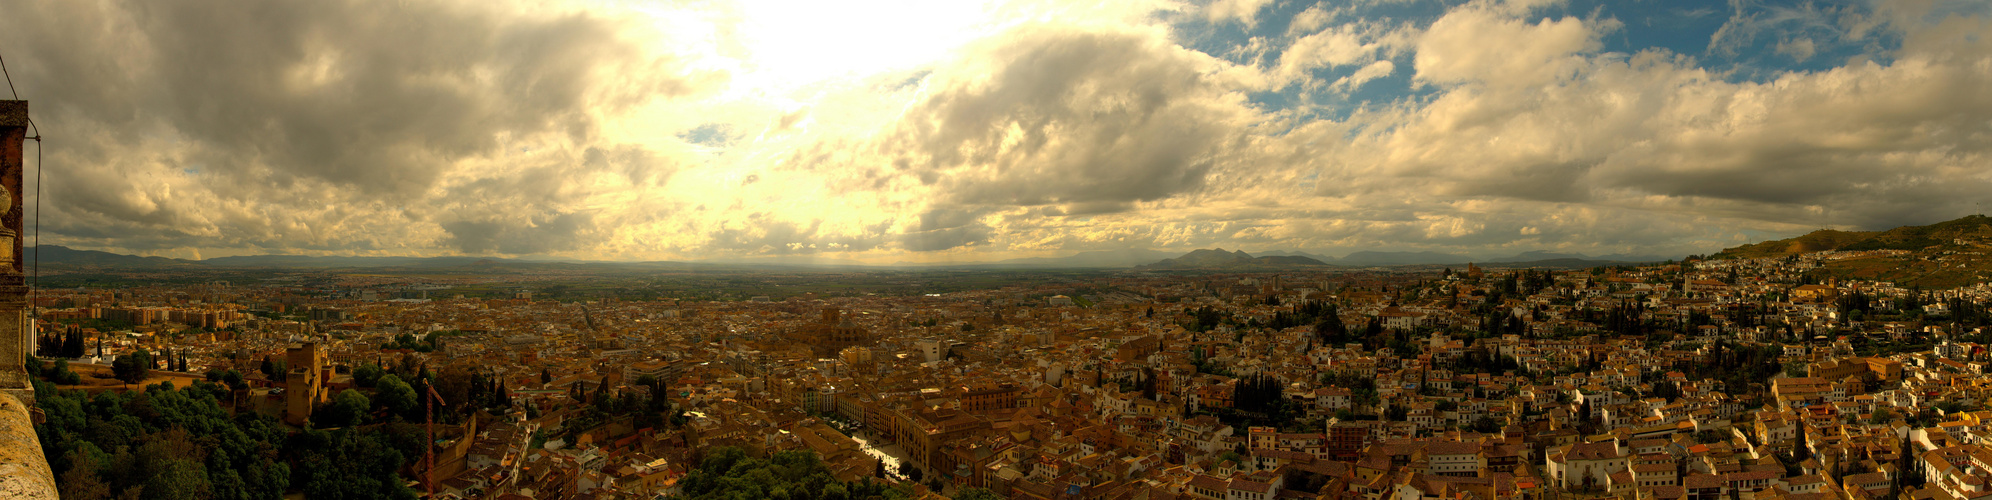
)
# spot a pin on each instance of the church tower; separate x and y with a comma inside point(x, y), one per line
point(16, 338)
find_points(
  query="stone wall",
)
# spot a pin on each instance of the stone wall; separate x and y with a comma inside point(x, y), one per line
point(23, 473)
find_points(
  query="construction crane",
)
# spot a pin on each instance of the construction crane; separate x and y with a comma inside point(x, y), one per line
point(429, 450)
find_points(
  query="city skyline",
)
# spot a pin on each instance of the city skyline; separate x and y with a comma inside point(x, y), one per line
point(891, 132)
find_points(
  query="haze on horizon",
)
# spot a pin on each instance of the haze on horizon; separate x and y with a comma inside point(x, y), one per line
point(923, 131)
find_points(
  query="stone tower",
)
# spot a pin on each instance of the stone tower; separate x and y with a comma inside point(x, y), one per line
point(15, 336)
point(304, 384)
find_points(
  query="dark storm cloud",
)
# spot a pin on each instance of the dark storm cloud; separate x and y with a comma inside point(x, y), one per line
point(549, 233)
point(944, 228)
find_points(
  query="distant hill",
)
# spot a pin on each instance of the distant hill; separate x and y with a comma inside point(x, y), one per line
point(1560, 263)
point(1221, 259)
point(1375, 258)
point(1969, 229)
point(1319, 257)
point(65, 256)
point(314, 261)
point(1816, 241)
point(1944, 254)
point(1101, 258)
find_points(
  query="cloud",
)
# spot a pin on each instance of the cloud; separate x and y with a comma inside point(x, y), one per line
point(760, 234)
point(1244, 11)
point(1373, 71)
point(1491, 43)
point(306, 121)
point(1058, 116)
point(1344, 45)
point(1863, 145)
point(539, 235)
point(1799, 49)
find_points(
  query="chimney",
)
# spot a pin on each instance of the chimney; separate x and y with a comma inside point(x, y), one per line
point(14, 334)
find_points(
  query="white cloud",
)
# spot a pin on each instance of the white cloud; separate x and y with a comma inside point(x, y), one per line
point(1373, 71)
point(1799, 49)
point(1494, 45)
point(1244, 11)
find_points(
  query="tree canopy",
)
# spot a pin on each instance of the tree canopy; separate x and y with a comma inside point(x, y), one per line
point(729, 473)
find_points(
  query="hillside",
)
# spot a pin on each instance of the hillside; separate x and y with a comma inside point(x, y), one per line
point(54, 255)
point(1944, 254)
point(1968, 229)
point(1816, 241)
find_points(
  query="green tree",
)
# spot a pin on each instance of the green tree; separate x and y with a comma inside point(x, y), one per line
point(179, 479)
point(367, 375)
point(162, 442)
point(347, 408)
point(1882, 415)
point(729, 473)
point(132, 367)
point(350, 464)
point(973, 493)
point(274, 369)
point(60, 374)
point(397, 396)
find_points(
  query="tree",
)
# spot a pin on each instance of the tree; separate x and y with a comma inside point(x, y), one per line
point(234, 380)
point(72, 345)
point(1882, 415)
point(179, 479)
point(348, 408)
point(60, 374)
point(368, 375)
point(353, 464)
point(728, 473)
point(132, 367)
point(973, 493)
point(397, 396)
point(98, 450)
point(274, 369)
point(1799, 450)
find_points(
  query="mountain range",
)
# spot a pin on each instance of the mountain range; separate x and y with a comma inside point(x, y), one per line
point(1220, 259)
point(60, 257)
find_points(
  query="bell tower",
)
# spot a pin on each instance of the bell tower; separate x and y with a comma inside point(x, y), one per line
point(15, 336)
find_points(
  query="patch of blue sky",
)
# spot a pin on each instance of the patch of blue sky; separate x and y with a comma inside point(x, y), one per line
point(1330, 102)
point(1760, 41)
point(712, 135)
point(1678, 26)
point(1227, 39)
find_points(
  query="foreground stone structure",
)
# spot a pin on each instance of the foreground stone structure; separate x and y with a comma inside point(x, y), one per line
point(24, 473)
point(15, 337)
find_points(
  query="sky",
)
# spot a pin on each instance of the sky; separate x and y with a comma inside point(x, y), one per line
point(909, 131)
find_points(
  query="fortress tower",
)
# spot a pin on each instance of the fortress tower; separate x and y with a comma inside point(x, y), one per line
point(304, 384)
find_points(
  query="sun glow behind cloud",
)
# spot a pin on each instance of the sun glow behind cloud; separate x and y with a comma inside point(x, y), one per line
point(791, 44)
